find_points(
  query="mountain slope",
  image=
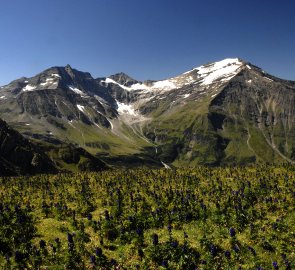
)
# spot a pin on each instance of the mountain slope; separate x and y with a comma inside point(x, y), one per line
point(19, 156)
point(225, 112)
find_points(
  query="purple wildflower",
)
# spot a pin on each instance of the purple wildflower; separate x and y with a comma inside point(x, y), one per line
point(275, 265)
point(232, 232)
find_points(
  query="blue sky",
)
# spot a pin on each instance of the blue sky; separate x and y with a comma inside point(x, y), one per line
point(148, 39)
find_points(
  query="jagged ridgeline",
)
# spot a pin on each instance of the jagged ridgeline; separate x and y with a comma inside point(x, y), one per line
point(227, 112)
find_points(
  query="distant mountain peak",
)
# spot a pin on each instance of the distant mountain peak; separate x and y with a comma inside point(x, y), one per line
point(222, 70)
point(123, 79)
point(68, 67)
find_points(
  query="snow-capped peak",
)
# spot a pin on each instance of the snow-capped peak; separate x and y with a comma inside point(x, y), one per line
point(218, 71)
point(204, 75)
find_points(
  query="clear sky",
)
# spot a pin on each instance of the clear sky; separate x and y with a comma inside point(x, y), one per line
point(147, 39)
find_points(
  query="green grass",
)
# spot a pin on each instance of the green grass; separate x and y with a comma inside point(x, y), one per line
point(258, 202)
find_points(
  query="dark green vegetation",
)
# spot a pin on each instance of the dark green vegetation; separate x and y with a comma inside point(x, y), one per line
point(201, 218)
point(19, 156)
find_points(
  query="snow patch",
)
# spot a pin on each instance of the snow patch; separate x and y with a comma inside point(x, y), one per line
point(48, 81)
point(268, 79)
point(159, 85)
point(81, 108)
point(112, 127)
point(249, 81)
point(2, 97)
point(55, 75)
point(225, 70)
point(29, 87)
point(189, 80)
point(109, 80)
point(125, 108)
point(164, 85)
point(214, 95)
point(186, 95)
point(76, 90)
point(139, 86)
point(248, 67)
point(28, 124)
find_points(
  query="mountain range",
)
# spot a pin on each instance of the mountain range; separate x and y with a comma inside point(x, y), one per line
point(222, 113)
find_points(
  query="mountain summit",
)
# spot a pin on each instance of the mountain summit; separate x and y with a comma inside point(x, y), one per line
point(226, 112)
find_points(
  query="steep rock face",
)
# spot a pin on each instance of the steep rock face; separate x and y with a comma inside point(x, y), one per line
point(19, 156)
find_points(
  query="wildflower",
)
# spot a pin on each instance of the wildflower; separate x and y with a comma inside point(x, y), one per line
point(213, 250)
point(155, 239)
point(98, 252)
point(197, 255)
point(287, 263)
point(107, 215)
point(57, 241)
point(18, 256)
point(252, 250)
point(188, 217)
point(42, 244)
point(140, 253)
point(174, 244)
point(89, 216)
point(227, 254)
point(139, 231)
point(70, 239)
point(113, 262)
point(165, 263)
point(236, 248)
point(92, 259)
point(232, 232)
point(275, 265)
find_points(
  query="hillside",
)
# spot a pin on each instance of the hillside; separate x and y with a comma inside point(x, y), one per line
point(19, 156)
